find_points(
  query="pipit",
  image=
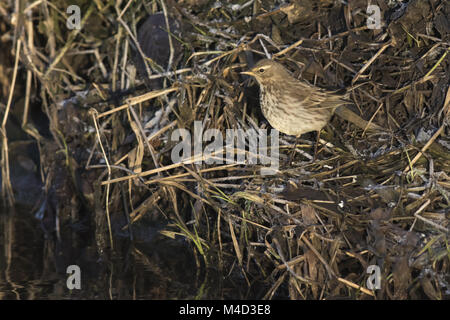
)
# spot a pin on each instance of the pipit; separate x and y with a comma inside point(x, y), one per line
point(295, 107)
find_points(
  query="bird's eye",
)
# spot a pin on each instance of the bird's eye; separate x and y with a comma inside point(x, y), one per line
point(261, 70)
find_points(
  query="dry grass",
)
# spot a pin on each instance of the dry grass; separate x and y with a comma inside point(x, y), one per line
point(311, 230)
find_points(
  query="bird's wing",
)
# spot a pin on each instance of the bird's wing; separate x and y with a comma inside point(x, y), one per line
point(321, 98)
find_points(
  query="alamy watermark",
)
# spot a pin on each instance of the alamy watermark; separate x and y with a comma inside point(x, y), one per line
point(374, 19)
point(74, 20)
point(74, 279)
point(374, 280)
point(239, 146)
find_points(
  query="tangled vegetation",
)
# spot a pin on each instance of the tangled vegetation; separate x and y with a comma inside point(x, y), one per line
point(98, 106)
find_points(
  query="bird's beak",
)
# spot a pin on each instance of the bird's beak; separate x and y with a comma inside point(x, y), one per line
point(248, 73)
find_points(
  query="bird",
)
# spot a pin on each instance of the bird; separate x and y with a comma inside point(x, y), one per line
point(295, 107)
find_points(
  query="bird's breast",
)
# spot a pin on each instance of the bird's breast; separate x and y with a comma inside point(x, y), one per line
point(289, 116)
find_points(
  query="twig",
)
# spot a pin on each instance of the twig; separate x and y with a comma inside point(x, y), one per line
point(354, 285)
point(141, 130)
point(69, 42)
point(138, 99)
point(371, 60)
point(292, 46)
point(418, 216)
point(94, 113)
point(166, 18)
point(424, 148)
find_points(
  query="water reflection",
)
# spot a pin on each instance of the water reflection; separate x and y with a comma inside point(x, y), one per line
point(33, 264)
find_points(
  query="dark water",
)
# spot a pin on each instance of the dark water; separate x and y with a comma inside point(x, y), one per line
point(33, 264)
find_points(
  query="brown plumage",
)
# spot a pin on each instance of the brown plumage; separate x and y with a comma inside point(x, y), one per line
point(295, 107)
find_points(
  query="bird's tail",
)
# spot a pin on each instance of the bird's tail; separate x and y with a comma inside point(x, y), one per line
point(346, 114)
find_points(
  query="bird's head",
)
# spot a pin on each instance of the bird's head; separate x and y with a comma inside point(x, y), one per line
point(268, 71)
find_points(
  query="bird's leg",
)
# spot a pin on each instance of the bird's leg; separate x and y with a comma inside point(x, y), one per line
point(291, 157)
point(316, 144)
